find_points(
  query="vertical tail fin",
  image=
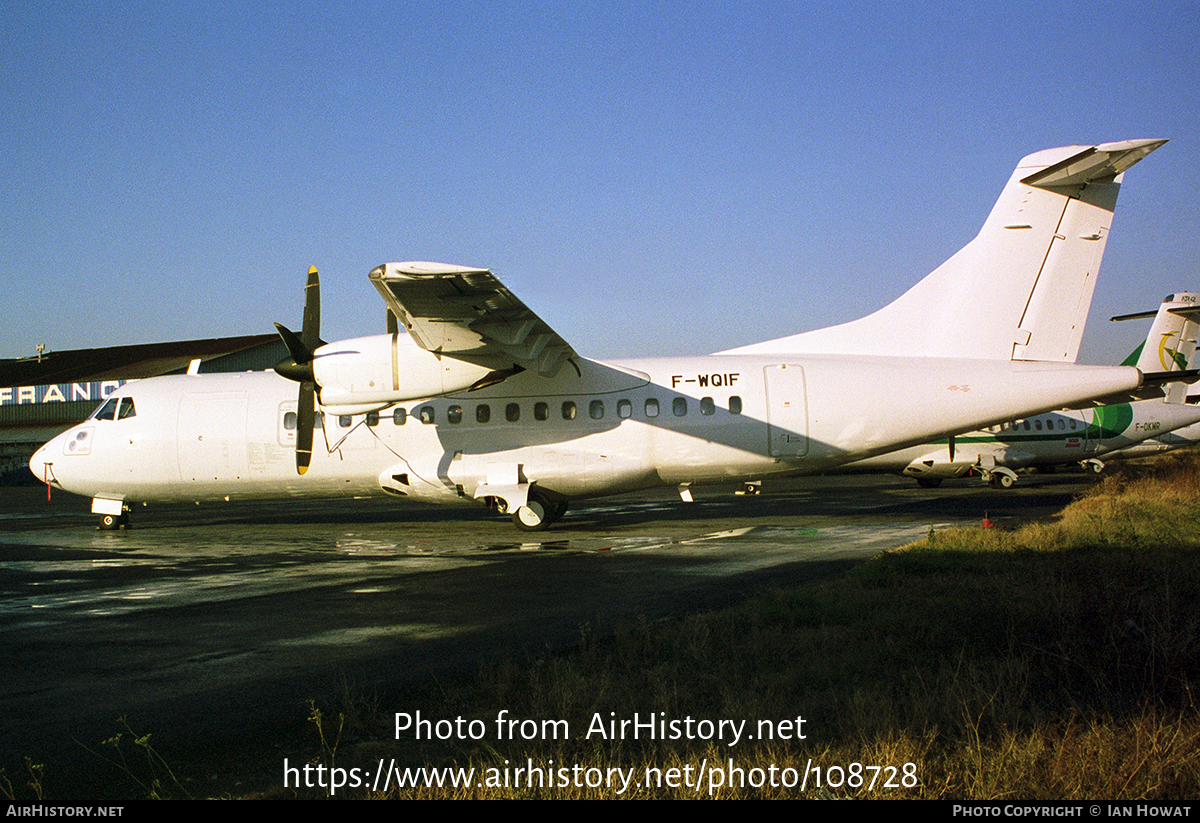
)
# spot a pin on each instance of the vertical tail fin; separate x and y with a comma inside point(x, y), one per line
point(1171, 342)
point(1021, 290)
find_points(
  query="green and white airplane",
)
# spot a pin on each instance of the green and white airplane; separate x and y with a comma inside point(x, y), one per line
point(1161, 443)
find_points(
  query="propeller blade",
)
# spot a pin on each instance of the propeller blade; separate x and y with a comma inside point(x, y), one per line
point(310, 333)
point(305, 421)
point(299, 367)
point(300, 353)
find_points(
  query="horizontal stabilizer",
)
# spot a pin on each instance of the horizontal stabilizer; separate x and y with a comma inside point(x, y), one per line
point(1098, 164)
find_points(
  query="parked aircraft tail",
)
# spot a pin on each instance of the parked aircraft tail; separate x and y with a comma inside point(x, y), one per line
point(1171, 342)
point(1021, 289)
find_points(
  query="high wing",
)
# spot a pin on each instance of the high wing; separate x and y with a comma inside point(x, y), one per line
point(468, 314)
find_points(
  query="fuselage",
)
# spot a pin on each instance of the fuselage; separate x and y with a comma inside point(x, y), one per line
point(595, 428)
point(1159, 443)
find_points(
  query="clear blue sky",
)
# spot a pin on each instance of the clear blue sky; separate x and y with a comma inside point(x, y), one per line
point(651, 178)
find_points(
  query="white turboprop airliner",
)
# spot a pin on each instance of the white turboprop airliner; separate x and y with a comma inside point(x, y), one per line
point(481, 400)
point(1067, 436)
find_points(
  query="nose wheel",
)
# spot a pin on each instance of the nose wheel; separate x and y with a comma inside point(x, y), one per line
point(112, 522)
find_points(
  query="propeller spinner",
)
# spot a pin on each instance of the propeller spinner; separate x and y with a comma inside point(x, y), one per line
point(299, 367)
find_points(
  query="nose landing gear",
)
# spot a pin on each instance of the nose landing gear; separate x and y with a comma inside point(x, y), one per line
point(112, 522)
point(113, 513)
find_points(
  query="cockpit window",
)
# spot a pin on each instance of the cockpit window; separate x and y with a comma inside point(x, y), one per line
point(108, 411)
point(126, 409)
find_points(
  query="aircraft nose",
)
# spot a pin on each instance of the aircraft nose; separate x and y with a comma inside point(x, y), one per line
point(38, 465)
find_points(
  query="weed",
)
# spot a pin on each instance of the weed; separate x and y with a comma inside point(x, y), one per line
point(155, 778)
point(328, 742)
point(35, 771)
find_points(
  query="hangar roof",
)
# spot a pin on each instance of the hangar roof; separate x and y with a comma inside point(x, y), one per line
point(122, 362)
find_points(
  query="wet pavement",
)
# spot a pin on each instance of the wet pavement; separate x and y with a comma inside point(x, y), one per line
point(208, 625)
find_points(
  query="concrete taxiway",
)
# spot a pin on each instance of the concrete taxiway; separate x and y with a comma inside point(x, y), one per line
point(205, 625)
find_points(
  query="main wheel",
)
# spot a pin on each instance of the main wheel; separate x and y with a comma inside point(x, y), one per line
point(535, 515)
point(1002, 481)
point(929, 482)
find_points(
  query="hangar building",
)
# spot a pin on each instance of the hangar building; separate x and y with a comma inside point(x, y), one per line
point(46, 394)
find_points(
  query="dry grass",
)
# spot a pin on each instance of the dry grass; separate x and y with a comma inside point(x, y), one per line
point(1057, 661)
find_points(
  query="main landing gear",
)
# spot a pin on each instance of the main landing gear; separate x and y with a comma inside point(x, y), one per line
point(1000, 477)
point(538, 512)
point(1002, 481)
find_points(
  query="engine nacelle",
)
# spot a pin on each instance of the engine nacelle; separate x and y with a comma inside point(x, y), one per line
point(368, 373)
point(937, 465)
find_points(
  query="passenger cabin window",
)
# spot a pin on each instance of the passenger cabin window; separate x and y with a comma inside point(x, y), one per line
point(624, 409)
point(399, 416)
point(679, 406)
point(454, 415)
point(568, 410)
point(651, 407)
point(541, 411)
point(290, 419)
point(483, 413)
point(596, 409)
point(707, 406)
point(512, 412)
point(735, 405)
point(426, 415)
point(344, 421)
point(373, 418)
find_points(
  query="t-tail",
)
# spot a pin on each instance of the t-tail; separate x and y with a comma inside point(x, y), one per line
point(1021, 290)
